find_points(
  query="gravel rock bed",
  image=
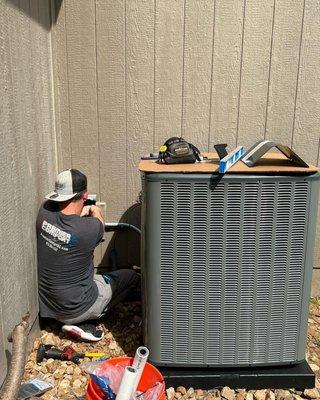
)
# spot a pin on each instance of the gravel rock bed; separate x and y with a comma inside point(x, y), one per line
point(123, 335)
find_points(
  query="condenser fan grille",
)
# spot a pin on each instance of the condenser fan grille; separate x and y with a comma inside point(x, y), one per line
point(231, 270)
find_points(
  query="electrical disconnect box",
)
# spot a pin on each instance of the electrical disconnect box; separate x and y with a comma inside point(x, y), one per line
point(227, 266)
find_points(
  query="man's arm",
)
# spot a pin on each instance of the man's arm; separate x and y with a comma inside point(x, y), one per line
point(96, 212)
point(92, 211)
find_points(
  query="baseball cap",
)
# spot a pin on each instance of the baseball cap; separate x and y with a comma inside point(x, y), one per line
point(68, 184)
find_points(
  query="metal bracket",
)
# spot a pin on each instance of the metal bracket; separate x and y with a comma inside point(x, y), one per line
point(263, 146)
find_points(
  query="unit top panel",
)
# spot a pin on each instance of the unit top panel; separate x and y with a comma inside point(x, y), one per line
point(270, 163)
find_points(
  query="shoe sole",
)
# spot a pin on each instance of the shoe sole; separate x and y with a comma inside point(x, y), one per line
point(78, 333)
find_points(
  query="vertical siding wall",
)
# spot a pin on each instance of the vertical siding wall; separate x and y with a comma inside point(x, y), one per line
point(131, 73)
point(27, 161)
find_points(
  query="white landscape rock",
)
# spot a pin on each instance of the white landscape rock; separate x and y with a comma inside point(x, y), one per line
point(241, 396)
point(227, 393)
point(271, 395)
point(249, 396)
point(282, 394)
point(312, 393)
point(260, 394)
point(70, 381)
point(170, 393)
point(314, 367)
point(181, 389)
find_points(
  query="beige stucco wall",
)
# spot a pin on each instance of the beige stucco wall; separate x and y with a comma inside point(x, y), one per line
point(27, 154)
point(129, 74)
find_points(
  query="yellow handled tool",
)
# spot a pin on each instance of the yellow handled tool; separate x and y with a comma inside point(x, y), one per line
point(94, 355)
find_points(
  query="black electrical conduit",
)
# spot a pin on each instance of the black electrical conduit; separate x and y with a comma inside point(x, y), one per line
point(120, 226)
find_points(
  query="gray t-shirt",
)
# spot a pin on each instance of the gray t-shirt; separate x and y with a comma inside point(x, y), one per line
point(65, 262)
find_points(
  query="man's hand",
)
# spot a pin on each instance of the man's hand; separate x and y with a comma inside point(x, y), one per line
point(92, 211)
point(85, 211)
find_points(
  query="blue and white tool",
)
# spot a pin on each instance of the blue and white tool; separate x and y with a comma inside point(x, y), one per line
point(230, 159)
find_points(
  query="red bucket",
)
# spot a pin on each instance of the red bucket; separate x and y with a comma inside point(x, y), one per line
point(150, 376)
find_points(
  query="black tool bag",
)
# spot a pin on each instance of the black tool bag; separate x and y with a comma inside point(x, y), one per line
point(177, 151)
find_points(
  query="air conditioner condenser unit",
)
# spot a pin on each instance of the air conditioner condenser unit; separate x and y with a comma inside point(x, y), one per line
point(227, 268)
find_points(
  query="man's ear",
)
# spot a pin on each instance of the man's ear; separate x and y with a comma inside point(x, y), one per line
point(85, 195)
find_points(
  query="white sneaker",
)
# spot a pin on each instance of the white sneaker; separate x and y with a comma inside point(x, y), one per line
point(84, 331)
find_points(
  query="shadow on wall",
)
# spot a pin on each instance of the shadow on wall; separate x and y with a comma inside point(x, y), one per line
point(9, 358)
point(39, 10)
point(123, 250)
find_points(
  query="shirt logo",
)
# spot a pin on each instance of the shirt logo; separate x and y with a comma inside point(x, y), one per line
point(56, 232)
